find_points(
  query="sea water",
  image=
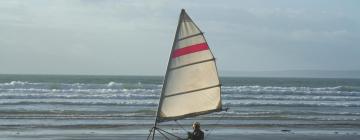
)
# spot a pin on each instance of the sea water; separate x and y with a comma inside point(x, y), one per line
point(43, 104)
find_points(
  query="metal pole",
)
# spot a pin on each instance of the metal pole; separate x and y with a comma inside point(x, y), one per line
point(167, 69)
point(150, 132)
point(153, 135)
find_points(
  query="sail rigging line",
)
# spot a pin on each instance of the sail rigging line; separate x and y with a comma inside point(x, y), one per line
point(159, 129)
point(199, 62)
point(190, 91)
point(163, 135)
point(218, 121)
point(180, 125)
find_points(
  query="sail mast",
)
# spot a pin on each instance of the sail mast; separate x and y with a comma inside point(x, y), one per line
point(167, 69)
point(168, 66)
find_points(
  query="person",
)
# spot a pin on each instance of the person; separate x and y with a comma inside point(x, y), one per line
point(197, 134)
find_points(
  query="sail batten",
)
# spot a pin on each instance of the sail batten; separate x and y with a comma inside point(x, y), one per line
point(190, 115)
point(190, 36)
point(191, 85)
point(191, 91)
point(194, 63)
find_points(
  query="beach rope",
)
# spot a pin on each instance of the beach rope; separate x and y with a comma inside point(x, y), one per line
point(217, 122)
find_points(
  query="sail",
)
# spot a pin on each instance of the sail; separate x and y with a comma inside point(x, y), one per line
point(191, 86)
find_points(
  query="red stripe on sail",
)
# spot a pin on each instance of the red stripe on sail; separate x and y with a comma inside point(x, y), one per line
point(190, 49)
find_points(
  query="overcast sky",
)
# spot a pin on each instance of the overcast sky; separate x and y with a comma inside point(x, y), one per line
point(134, 37)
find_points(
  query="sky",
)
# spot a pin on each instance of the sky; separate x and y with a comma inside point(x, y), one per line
point(134, 37)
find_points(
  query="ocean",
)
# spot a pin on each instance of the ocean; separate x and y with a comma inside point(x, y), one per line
point(45, 106)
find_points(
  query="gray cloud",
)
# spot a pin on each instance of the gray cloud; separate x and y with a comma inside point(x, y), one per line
point(134, 37)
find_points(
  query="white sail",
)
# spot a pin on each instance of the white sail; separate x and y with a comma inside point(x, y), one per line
point(191, 86)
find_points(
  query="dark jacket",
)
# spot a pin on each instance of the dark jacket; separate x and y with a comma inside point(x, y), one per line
point(197, 135)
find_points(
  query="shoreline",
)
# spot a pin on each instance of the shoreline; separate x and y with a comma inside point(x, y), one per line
point(95, 135)
point(141, 132)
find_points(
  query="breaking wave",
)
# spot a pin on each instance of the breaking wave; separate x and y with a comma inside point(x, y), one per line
point(338, 90)
point(137, 93)
point(77, 102)
point(298, 103)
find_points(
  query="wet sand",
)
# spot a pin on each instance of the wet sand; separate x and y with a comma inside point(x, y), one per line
point(213, 137)
point(141, 133)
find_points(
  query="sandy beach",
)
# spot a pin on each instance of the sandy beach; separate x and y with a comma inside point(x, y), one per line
point(216, 137)
point(217, 133)
point(94, 135)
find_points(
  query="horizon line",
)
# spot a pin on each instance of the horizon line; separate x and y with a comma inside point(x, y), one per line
point(221, 76)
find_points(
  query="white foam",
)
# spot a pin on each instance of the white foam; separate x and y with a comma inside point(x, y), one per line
point(297, 103)
point(291, 97)
point(111, 84)
point(80, 101)
point(297, 90)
